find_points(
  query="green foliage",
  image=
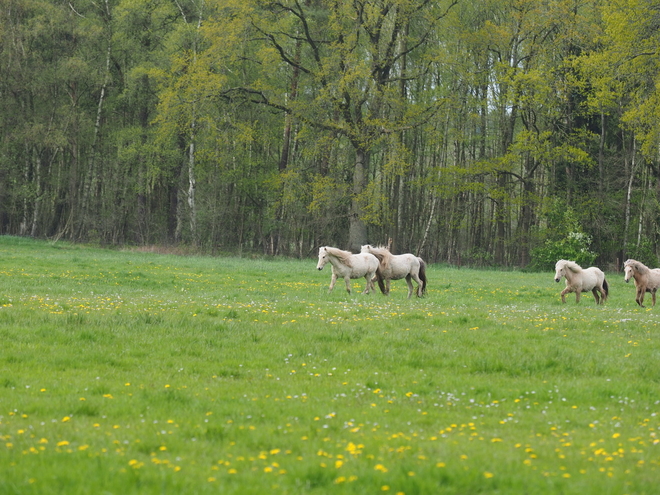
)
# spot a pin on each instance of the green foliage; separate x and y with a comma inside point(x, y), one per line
point(643, 252)
point(563, 238)
point(139, 121)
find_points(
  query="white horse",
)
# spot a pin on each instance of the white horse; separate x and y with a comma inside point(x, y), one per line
point(580, 280)
point(348, 265)
point(646, 279)
point(396, 267)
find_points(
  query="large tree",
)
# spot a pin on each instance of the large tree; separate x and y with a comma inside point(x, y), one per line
point(350, 57)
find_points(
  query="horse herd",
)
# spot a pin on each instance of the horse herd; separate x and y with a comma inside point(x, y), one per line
point(380, 265)
point(374, 263)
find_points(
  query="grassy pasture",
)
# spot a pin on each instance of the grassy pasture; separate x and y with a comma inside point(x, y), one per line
point(125, 372)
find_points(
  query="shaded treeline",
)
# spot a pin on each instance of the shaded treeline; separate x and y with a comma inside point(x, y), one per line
point(468, 132)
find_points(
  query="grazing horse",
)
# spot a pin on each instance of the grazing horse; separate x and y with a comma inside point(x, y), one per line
point(396, 267)
point(646, 279)
point(580, 280)
point(348, 265)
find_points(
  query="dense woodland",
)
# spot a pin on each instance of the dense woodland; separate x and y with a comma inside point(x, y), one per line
point(481, 132)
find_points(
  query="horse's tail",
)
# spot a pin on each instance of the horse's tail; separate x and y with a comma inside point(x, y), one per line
point(379, 278)
point(606, 288)
point(422, 275)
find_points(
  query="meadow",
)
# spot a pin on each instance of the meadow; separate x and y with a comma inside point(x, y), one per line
point(131, 372)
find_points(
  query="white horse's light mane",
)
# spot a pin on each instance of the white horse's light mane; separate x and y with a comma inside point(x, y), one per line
point(571, 265)
point(343, 256)
point(637, 265)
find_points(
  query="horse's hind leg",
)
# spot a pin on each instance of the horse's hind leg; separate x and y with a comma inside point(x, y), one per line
point(653, 295)
point(370, 283)
point(420, 285)
point(595, 293)
point(410, 285)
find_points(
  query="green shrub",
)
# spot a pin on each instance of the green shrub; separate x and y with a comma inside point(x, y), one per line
point(574, 247)
point(563, 238)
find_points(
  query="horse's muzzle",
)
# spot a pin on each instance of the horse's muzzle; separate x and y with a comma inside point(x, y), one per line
point(319, 268)
point(628, 280)
point(557, 280)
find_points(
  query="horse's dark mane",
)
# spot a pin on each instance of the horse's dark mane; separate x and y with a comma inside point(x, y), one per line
point(382, 253)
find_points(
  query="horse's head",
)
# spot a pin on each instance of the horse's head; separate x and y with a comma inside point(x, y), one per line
point(560, 268)
point(628, 272)
point(323, 258)
point(366, 248)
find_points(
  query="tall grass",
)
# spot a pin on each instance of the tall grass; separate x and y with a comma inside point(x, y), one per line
point(128, 372)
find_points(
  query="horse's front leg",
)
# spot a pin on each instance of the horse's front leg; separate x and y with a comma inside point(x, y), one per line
point(640, 296)
point(563, 294)
point(333, 281)
point(347, 279)
point(381, 282)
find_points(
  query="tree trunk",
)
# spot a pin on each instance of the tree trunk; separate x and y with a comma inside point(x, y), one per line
point(357, 233)
point(631, 177)
point(36, 213)
point(192, 187)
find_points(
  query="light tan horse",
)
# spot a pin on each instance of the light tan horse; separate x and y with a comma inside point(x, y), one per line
point(580, 280)
point(398, 266)
point(646, 279)
point(348, 265)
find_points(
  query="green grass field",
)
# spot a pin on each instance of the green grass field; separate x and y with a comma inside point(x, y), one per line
point(126, 372)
